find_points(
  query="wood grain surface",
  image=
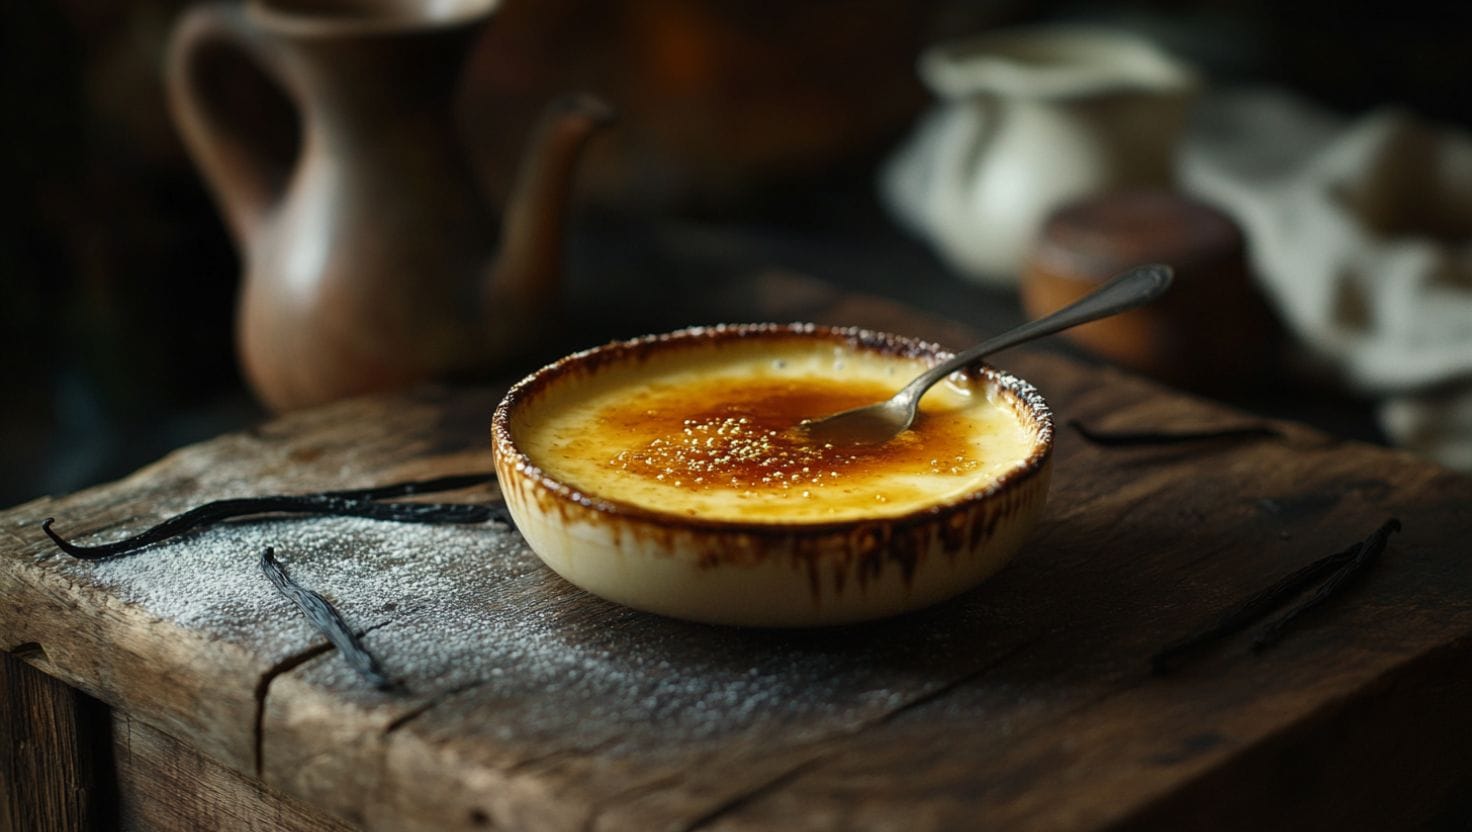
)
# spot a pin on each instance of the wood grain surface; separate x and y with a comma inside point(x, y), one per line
point(53, 750)
point(164, 785)
point(1027, 703)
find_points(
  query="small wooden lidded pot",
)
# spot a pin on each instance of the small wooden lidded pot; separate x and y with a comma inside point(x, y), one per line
point(1212, 331)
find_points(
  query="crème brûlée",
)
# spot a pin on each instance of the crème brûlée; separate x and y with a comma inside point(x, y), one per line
point(723, 441)
point(672, 474)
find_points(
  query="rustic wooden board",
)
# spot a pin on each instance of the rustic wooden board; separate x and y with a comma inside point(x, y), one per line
point(1026, 703)
point(164, 785)
point(53, 749)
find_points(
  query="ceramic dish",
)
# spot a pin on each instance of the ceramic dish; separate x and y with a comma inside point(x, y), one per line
point(665, 473)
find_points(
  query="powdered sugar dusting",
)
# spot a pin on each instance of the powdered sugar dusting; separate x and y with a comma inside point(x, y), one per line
point(373, 571)
point(468, 615)
point(533, 663)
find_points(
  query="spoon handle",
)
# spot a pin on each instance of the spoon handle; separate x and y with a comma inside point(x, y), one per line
point(1136, 287)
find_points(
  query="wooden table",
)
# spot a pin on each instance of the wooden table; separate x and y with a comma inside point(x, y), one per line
point(1025, 704)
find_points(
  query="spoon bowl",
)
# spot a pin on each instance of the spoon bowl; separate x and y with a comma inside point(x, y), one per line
point(879, 422)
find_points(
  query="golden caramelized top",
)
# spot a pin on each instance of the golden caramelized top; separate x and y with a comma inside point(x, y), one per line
point(718, 439)
point(712, 435)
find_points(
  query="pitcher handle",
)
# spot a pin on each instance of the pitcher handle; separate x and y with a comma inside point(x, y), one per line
point(246, 174)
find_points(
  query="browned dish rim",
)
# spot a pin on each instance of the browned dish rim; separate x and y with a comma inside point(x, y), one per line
point(639, 349)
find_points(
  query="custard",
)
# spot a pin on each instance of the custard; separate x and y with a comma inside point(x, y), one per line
point(667, 473)
point(713, 434)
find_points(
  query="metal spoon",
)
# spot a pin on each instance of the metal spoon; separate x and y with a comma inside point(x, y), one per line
point(876, 423)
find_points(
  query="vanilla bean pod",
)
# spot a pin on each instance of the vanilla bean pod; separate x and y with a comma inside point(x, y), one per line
point(1127, 439)
point(407, 488)
point(1368, 551)
point(1338, 568)
point(327, 621)
point(356, 503)
point(1251, 610)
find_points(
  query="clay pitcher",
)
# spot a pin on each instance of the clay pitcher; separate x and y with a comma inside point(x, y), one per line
point(369, 254)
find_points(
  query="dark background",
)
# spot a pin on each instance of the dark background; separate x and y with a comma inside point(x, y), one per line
point(748, 140)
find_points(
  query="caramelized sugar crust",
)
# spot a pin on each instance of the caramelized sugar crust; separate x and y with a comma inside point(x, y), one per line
point(717, 438)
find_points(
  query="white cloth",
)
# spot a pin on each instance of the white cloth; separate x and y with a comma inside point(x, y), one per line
point(1359, 231)
point(1361, 235)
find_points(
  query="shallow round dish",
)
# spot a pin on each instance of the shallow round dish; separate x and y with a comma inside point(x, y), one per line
point(828, 546)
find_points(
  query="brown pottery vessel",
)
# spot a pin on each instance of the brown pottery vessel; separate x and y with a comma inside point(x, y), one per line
point(369, 253)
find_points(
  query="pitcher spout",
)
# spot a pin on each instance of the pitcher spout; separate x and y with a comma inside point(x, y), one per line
point(528, 267)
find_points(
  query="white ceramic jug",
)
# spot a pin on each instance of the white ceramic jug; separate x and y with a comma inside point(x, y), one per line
point(1032, 118)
